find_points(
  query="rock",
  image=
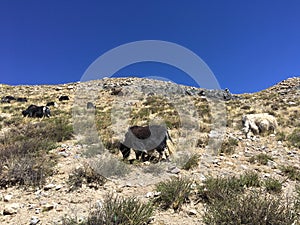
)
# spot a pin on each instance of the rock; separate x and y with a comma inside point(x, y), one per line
point(99, 203)
point(216, 161)
point(31, 206)
point(229, 163)
point(80, 220)
point(7, 198)
point(38, 193)
point(244, 167)
point(37, 211)
point(174, 170)
point(11, 209)
point(47, 207)
point(64, 154)
point(118, 189)
point(34, 220)
point(202, 177)
point(59, 208)
point(157, 193)
point(58, 187)
point(49, 186)
point(150, 195)
point(272, 164)
point(192, 212)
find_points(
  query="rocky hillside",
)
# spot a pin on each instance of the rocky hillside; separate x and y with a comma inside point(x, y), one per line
point(59, 170)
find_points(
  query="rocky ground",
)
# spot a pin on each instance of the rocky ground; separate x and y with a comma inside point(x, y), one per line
point(193, 115)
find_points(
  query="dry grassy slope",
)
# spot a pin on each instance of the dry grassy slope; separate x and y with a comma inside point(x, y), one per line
point(281, 100)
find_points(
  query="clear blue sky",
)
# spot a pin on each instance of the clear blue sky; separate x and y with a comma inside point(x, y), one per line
point(249, 45)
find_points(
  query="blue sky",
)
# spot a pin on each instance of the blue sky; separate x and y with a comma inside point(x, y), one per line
point(248, 45)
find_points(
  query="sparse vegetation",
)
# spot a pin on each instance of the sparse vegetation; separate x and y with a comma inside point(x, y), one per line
point(174, 193)
point(280, 136)
point(294, 138)
point(85, 175)
point(117, 210)
point(23, 152)
point(93, 150)
point(33, 158)
point(186, 160)
point(192, 162)
point(291, 172)
point(221, 188)
point(110, 167)
point(122, 211)
point(254, 208)
point(273, 185)
point(76, 179)
point(228, 202)
point(250, 179)
point(229, 145)
point(217, 189)
point(261, 159)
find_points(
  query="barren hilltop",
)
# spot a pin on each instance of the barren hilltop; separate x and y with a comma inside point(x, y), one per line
point(222, 169)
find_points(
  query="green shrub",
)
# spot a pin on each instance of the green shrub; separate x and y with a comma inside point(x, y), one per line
point(250, 179)
point(217, 189)
point(54, 130)
point(27, 171)
point(85, 175)
point(294, 138)
point(192, 162)
point(280, 136)
point(63, 129)
point(76, 179)
point(273, 185)
point(228, 146)
point(174, 192)
point(291, 172)
point(24, 151)
point(222, 188)
point(261, 159)
point(121, 211)
point(253, 208)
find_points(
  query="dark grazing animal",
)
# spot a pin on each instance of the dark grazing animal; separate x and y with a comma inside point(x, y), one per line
point(116, 91)
point(21, 99)
point(63, 98)
point(145, 139)
point(90, 105)
point(7, 99)
point(50, 104)
point(36, 111)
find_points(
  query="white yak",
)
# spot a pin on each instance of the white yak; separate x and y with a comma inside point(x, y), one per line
point(259, 123)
